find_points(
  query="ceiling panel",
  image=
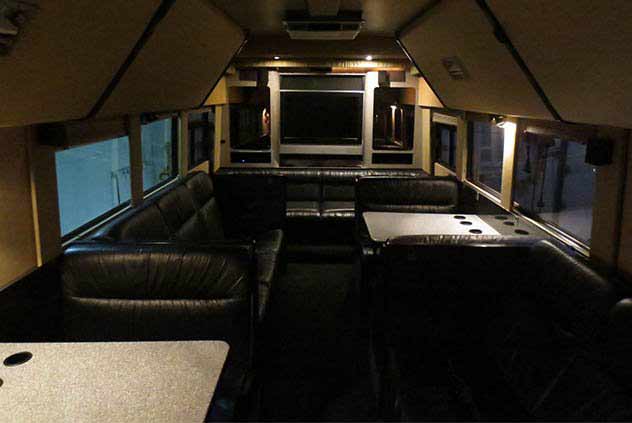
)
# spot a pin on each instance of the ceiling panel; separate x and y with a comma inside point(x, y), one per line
point(383, 17)
point(180, 62)
point(494, 82)
point(66, 56)
point(580, 51)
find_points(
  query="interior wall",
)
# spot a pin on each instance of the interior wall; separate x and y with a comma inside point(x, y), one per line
point(17, 238)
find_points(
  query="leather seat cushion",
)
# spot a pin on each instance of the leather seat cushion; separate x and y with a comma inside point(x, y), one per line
point(338, 209)
point(303, 209)
point(269, 242)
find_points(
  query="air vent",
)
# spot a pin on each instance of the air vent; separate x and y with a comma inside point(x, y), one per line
point(455, 68)
point(13, 15)
point(323, 29)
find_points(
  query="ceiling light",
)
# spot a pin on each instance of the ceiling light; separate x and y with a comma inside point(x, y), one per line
point(277, 57)
point(369, 58)
point(499, 121)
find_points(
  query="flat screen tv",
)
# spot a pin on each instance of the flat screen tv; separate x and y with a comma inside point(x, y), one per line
point(321, 118)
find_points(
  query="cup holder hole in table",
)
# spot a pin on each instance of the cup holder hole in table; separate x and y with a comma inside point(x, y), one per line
point(466, 223)
point(17, 359)
point(521, 232)
point(501, 217)
point(476, 231)
point(459, 217)
point(509, 223)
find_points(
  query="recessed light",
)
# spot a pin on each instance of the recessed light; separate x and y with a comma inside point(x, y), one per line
point(369, 58)
point(277, 57)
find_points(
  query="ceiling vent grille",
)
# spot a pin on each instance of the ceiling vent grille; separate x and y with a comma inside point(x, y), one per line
point(323, 29)
point(455, 68)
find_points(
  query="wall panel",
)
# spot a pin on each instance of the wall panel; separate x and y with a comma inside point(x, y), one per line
point(17, 237)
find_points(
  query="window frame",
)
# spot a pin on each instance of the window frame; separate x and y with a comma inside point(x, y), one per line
point(453, 143)
point(470, 153)
point(175, 147)
point(103, 218)
point(206, 125)
point(568, 134)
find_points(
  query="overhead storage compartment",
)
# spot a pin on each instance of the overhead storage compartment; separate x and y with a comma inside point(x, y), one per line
point(580, 51)
point(454, 46)
point(64, 58)
point(176, 69)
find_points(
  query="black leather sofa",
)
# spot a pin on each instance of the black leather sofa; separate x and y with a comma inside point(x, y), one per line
point(188, 211)
point(321, 194)
point(492, 328)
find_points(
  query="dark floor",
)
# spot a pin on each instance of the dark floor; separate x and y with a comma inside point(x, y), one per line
point(316, 355)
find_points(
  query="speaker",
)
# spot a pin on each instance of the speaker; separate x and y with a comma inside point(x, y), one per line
point(599, 151)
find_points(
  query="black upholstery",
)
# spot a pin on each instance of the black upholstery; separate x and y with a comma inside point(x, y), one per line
point(523, 313)
point(157, 291)
point(250, 204)
point(404, 195)
point(189, 211)
point(320, 194)
point(165, 291)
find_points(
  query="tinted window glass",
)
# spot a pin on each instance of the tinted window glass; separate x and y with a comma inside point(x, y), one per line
point(159, 140)
point(486, 154)
point(554, 183)
point(445, 144)
point(201, 137)
point(92, 180)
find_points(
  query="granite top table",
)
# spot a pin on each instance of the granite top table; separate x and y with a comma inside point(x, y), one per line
point(383, 226)
point(109, 381)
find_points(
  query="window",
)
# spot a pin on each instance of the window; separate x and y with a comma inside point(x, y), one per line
point(160, 157)
point(486, 144)
point(445, 144)
point(393, 119)
point(201, 137)
point(250, 120)
point(92, 180)
point(554, 183)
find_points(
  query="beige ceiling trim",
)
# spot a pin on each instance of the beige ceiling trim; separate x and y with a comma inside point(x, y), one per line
point(66, 56)
point(494, 82)
point(314, 63)
point(188, 51)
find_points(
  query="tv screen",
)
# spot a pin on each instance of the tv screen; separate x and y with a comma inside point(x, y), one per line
point(321, 118)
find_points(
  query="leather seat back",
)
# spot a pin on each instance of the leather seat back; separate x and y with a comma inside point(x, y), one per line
point(181, 215)
point(202, 189)
point(117, 291)
point(251, 204)
point(415, 195)
point(144, 223)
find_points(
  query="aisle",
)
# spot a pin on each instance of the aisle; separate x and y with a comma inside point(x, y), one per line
point(316, 349)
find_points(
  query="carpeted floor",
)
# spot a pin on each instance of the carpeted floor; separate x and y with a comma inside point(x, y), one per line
point(316, 349)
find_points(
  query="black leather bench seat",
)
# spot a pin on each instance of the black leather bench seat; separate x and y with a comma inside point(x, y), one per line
point(320, 194)
point(189, 212)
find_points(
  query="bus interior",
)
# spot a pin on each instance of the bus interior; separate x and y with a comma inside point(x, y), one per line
point(315, 210)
